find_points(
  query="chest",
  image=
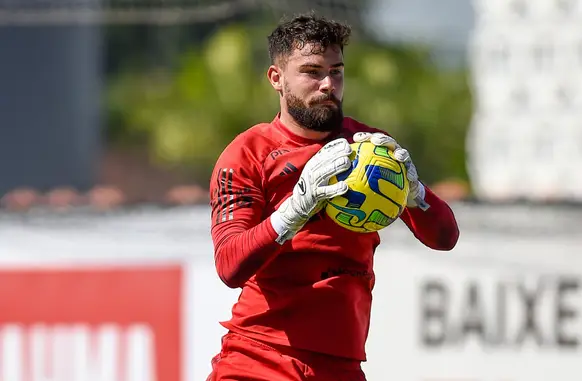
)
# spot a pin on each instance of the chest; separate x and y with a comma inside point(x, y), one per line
point(282, 169)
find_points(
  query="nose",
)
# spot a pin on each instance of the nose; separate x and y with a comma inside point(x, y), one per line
point(326, 85)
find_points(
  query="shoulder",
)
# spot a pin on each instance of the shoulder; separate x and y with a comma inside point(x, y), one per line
point(351, 126)
point(251, 146)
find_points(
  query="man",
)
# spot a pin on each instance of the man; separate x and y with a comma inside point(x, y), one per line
point(297, 318)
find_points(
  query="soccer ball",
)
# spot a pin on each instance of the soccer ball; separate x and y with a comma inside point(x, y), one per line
point(378, 189)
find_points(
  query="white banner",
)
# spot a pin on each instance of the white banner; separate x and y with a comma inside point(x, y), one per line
point(486, 316)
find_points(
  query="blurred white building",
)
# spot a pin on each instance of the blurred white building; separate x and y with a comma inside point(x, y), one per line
point(526, 136)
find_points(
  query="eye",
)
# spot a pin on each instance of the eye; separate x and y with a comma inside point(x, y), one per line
point(336, 72)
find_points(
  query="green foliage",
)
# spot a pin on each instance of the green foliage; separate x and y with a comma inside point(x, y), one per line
point(426, 108)
point(187, 116)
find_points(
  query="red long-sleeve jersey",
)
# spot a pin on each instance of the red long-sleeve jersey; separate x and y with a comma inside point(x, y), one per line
point(314, 292)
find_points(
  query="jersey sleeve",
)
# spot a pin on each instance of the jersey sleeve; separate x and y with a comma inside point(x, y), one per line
point(244, 241)
point(435, 227)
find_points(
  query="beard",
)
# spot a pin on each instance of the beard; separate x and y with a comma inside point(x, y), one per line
point(316, 116)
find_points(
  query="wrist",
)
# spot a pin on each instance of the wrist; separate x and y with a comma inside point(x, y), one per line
point(278, 223)
point(421, 191)
point(286, 222)
point(416, 197)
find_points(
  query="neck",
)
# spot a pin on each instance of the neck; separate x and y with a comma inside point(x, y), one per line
point(299, 130)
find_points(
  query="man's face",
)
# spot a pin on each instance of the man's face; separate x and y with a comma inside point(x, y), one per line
point(313, 85)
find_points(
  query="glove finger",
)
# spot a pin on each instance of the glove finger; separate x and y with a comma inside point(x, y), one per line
point(336, 147)
point(362, 137)
point(330, 191)
point(380, 139)
point(318, 206)
point(401, 154)
point(414, 190)
point(330, 169)
point(411, 172)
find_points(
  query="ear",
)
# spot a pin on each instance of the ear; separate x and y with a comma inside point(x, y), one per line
point(275, 77)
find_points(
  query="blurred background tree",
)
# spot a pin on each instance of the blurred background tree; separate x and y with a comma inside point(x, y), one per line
point(207, 83)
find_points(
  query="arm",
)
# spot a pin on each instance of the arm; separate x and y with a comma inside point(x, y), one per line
point(243, 242)
point(429, 218)
point(436, 227)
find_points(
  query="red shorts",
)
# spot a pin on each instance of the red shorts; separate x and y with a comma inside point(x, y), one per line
point(242, 358)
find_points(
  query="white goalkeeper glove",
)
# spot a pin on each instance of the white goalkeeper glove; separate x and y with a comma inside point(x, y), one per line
point(312, 189)
point(417, 192)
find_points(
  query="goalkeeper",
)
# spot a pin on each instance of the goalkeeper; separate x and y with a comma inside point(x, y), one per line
point(304, 309)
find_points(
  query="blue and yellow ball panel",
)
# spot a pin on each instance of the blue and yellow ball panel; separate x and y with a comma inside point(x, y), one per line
point(378, 189)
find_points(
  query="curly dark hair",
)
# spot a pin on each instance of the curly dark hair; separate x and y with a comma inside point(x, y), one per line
point(303, 29)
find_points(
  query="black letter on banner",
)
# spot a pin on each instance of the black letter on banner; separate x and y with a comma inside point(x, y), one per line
point(564, 313)
point(500, 336)
point(530, 300)
point(435, 312)
point(473, 319)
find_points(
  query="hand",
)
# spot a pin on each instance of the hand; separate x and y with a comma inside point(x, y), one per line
point(312, 189)
point(417, 192)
